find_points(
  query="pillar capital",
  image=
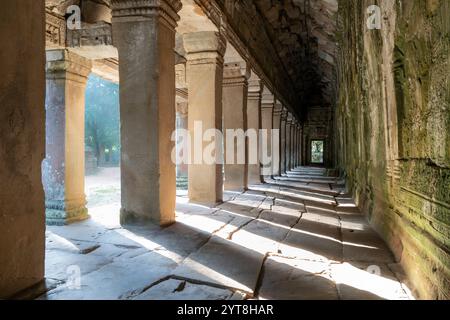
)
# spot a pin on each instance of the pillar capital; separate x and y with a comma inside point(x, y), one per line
point(255, 87)
point(144, 10)
point(278, 107)
point(204, 47)
point(236, 73)
point(268, 99)
point(284, 114)
point(64, 64)
point(290, 118)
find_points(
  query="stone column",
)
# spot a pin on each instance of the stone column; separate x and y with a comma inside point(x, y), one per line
point(300, 145)
point(181, 119)
point(181, 124)
point(144, 34)
point(288, 141)
point(234, 100)
point(205, 51)
point(254, 124)
point(284, 114)
point(22, 145)
point(63, 167)
point(294, 144)
point(293, 125)
point(276, 149)
point(267, 106)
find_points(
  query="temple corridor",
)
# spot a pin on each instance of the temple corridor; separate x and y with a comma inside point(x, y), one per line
point(224, 150)
point(298, 237)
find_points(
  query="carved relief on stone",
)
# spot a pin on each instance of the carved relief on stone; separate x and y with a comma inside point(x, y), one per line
point(55, 30)
point(90, 35)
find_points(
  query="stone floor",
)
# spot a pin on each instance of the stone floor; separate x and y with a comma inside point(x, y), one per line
point(297, 237)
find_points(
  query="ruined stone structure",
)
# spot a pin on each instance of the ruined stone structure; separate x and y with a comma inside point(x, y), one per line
point(377, 98)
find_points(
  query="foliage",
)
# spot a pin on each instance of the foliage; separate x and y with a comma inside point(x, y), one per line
point(102, 117)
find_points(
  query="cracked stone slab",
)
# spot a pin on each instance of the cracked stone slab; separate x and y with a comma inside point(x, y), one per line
point(292, 205)
point(224, 263)
point(313, 240)
point(207, 223)
point(190, 208)
point(119, 279)
point(290, 279)
point(240, 209)
point(233, 226)
point(281, 216)
point(354, 222)
point(58, 263)
point(261, 236)
point(83, 231)
point(365, 245)
point(58, 242)
point(363, 281)
point(322, 217)
point(173, 289)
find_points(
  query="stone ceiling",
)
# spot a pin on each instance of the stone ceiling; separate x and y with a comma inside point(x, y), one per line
point(303, 33)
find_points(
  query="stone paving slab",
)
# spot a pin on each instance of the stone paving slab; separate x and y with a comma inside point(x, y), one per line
point(282, 216)
point(290, 279)
point(225, 263)
point(313, 240)
point(365, 245)
point(261, 236)
point(363, 281)
point(58, 264)
point(173, 289)
point(121, 279)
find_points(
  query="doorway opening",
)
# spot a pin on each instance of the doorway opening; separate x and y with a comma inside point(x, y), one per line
point(317, 152)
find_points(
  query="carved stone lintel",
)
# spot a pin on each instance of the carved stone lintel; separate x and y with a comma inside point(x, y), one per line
point(55, 30)
point(145, 9)
point(90, 35)
point(63, 64)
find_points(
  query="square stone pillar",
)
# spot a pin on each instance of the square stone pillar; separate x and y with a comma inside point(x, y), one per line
point(284, 115)
point(291, 163)
point(63, 167)
point(205, 51)
point(234, 99)
point(297, 159)
point(267, 106)
point(300, 144)
point(288, 141)
point(22, 145)
point(294, 144)
point(276, 149)
point(181, 124)
point(254, 124)
point(144, 34)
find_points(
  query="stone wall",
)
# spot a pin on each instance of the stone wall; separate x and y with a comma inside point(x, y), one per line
point(393, 124)
point(22, 122)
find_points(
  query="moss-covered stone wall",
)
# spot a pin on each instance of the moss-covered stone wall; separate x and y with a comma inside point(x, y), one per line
point(393, 130)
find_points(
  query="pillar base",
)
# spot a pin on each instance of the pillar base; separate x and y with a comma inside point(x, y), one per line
point(62, 217)
point(182, 183)
point(128, 217)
